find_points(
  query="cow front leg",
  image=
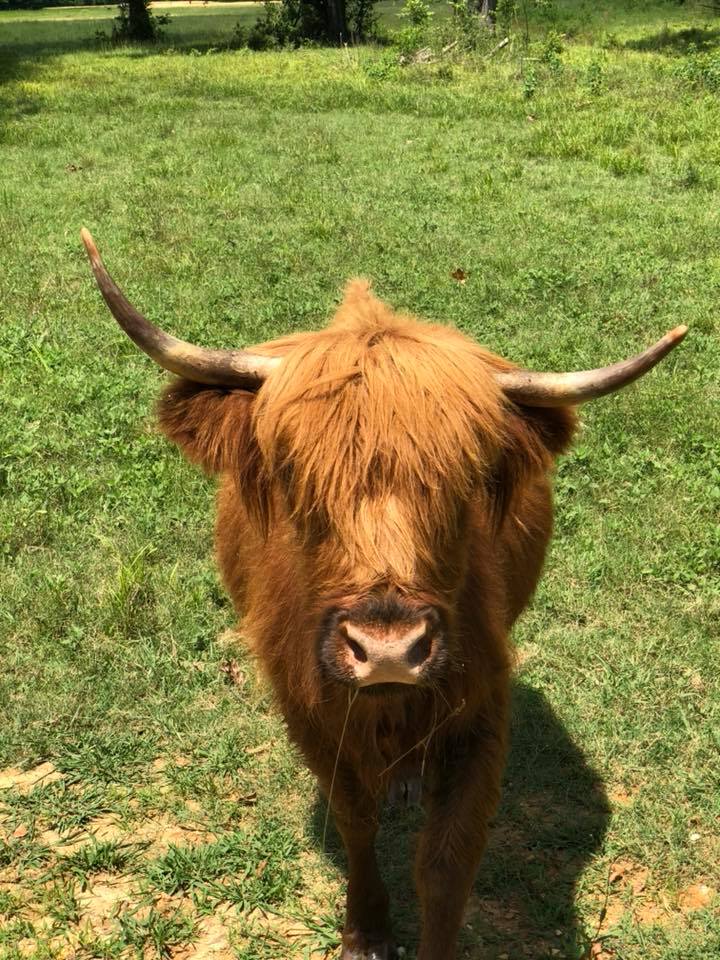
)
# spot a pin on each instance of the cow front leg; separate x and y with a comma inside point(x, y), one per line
point(465, 789)
point(367, 932)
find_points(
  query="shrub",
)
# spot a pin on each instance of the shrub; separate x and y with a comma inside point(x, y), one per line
point(417, 13)
point(700, 70)
point(294, 22)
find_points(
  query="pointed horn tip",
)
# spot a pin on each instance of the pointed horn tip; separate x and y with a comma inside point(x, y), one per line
point(89, 244)
point(677, 334)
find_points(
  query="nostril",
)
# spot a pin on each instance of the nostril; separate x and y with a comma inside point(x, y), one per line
point(420, 650)
point(357, 650)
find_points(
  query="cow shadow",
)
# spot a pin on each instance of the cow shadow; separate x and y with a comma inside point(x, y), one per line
point(552, 820)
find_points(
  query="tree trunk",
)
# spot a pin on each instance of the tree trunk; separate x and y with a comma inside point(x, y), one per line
point(337, 26)
point(140, 26)
point(487, 10)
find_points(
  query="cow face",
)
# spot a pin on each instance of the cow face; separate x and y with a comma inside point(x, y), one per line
point(364, 452)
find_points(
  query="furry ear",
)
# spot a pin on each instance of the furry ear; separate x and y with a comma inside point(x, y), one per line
point(534, 437)
point(549, 429)
point(213, 426)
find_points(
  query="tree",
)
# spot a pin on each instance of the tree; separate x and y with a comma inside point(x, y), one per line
point(135, 22)
point(292, 21)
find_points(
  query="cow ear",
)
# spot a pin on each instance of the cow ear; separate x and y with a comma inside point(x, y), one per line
point(534, 437)
point(213, 426)
point(549, 431)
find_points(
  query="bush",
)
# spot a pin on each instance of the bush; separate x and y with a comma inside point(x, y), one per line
point(294, 22)
point(700, 70)
point(279, 26)
point(417, 13)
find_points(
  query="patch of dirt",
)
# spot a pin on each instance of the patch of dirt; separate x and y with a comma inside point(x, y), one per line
point(628, 894)
point(101, 903)
point(51, 838)
point(696, 897)
point(598, 952)
point(160, 832)
point(628, 875)
point(536, 808)
point(105, 827)
point(650, 914)
point(614, 913)
point(26, 780)
point(26, 946)
point(505, 916)
point(212, 940)
point(621, 796)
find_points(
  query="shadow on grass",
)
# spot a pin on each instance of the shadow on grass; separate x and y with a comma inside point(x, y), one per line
point(552, 820)
point(688, 40)
point(27, 45)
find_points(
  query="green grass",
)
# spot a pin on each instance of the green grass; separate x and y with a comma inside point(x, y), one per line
point(233, 194)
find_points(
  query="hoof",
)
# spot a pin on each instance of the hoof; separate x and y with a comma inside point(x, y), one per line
point(357, 947)
point(381, 952)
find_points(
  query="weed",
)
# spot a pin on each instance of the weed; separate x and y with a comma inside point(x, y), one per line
point(444, 72)
point(529, 80)
point(417, 13)
point(61, 902)
point(594, 77)
point(16, 930)
point(61, 805)
point(252, 869)
point(383, 67)
point(97, 856)
point(700, 70)
point(10, 904)
point(465, 29)
point(155, 931)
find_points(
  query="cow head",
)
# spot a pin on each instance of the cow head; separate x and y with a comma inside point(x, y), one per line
point(367, 443)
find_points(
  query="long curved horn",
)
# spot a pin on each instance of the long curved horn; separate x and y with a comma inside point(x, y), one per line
point(235, 368)
point(565, 389)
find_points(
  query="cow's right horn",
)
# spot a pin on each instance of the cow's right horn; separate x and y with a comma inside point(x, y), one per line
point(563, 389)
point(231, 368)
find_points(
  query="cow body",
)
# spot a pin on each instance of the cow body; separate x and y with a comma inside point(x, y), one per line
point(381, 493)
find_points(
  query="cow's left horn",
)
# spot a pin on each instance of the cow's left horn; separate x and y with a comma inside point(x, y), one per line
point(565, 389)
point(232, 368)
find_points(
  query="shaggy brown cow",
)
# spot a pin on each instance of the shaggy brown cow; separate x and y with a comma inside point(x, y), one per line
point(383, 515)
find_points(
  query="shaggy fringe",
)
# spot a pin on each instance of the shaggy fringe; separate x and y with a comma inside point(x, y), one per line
point(381, 426)
point(374, 434)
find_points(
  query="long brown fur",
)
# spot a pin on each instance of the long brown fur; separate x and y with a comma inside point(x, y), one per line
point(382, 456)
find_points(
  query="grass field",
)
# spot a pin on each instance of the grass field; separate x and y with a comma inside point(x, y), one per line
point(149, 803)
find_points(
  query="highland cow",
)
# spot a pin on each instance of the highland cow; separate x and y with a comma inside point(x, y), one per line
point(383, 514)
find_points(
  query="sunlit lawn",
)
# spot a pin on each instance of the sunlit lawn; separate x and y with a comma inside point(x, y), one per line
point(232, 194)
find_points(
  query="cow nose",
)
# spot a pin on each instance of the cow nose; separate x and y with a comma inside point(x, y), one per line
point(394, 653)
